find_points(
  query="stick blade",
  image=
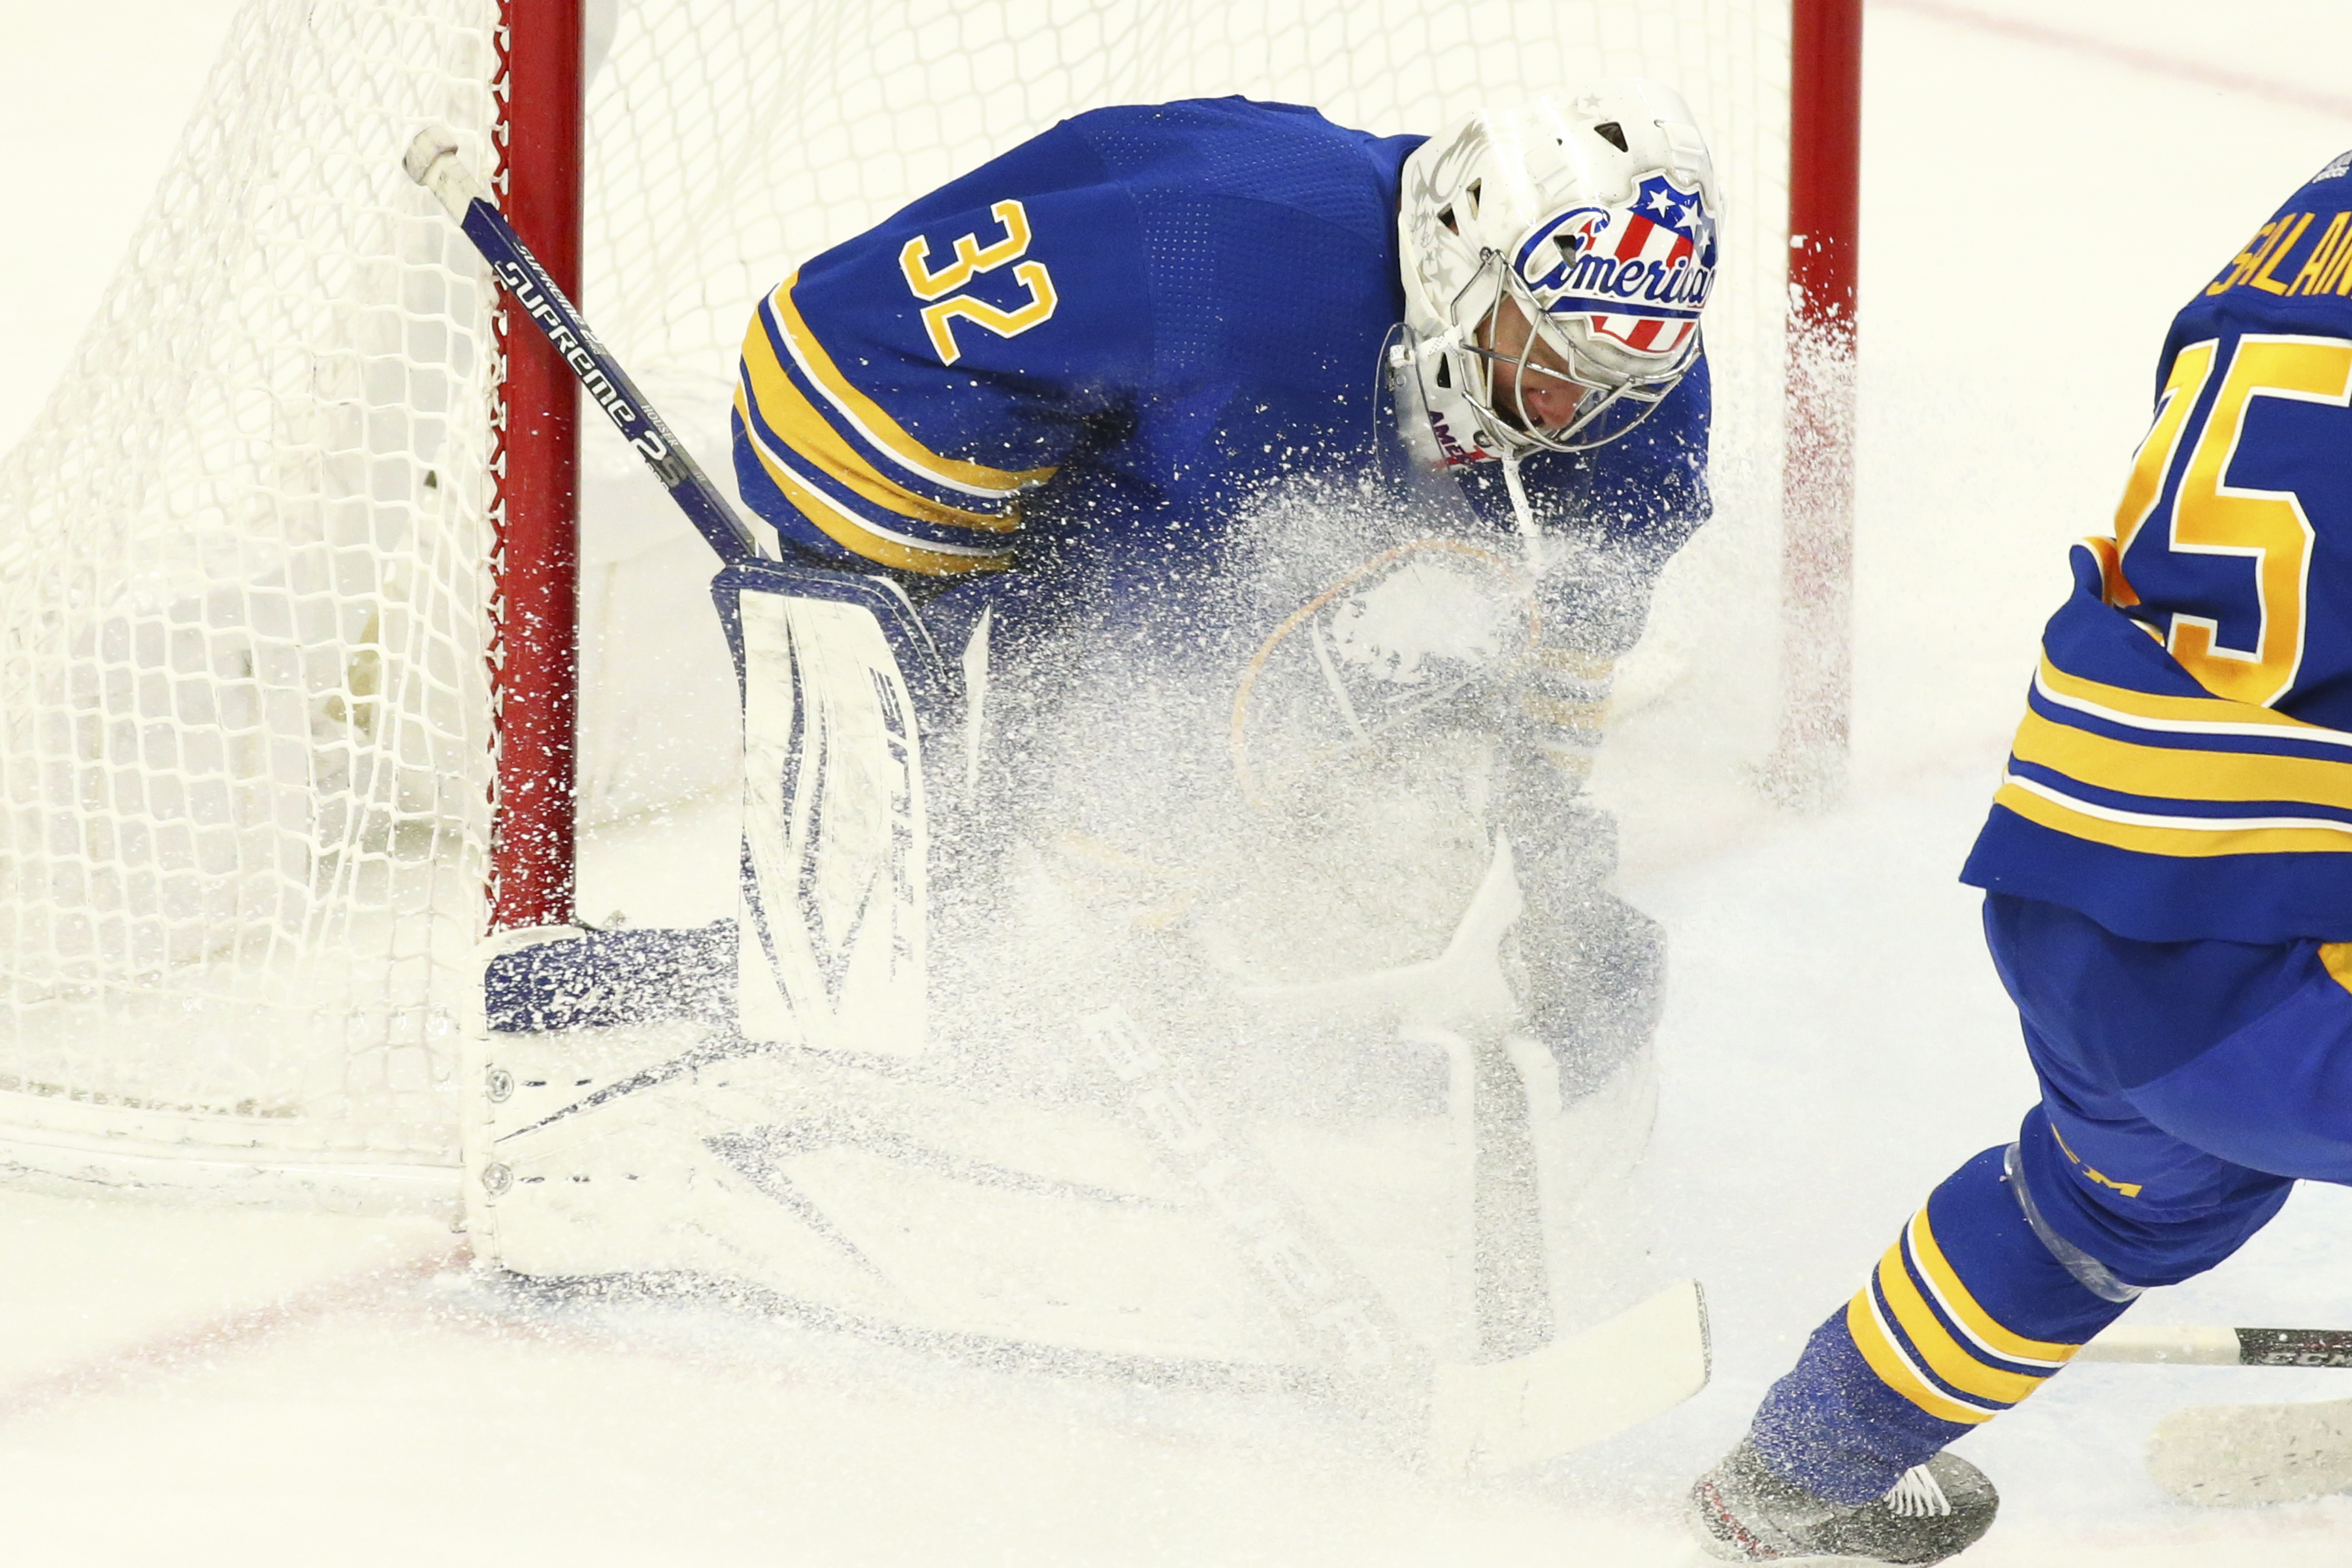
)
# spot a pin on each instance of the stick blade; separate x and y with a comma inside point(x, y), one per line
point(2243, 1455)
point(1503, 1415)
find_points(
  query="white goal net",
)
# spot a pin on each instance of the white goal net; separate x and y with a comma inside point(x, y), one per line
point(244, 731)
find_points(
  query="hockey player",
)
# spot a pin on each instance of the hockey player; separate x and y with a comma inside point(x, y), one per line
point(1059, 399)
point(2168, 904)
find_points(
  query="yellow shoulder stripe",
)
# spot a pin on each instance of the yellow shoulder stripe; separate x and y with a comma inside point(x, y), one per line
point(2168, 772)
point(877, 426)
point(1963, 1309)
point(793, 416)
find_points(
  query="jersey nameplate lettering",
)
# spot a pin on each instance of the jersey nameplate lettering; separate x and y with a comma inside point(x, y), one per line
point(2264, 263)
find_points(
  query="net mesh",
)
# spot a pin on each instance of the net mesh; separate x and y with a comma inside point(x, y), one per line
point(243, 550)
point(241, 793)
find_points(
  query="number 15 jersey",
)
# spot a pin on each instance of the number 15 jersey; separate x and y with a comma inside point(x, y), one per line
point(2184, 769)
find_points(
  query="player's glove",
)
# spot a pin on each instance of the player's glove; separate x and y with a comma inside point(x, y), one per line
point(1591, 969)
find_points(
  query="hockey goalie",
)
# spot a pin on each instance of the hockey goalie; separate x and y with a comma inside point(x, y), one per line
point(1172, 926)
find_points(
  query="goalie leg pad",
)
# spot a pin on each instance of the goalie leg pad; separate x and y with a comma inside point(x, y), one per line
point(596, 979)
point(1594, 967)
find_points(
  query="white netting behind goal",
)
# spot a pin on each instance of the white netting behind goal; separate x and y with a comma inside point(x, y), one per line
point(242, 809)
point(243, 551)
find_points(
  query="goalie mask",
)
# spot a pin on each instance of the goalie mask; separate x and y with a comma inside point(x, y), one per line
point(1556, 259)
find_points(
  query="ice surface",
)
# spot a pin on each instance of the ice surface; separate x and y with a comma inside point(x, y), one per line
point(2044, 182)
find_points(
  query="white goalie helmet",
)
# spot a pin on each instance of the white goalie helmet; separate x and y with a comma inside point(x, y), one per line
point(1595, 218)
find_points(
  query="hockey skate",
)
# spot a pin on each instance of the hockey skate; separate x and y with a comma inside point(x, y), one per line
point(1743, 1511)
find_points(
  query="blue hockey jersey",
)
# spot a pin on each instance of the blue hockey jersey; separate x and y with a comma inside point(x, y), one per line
point(1086, 357)
point(2184, 769)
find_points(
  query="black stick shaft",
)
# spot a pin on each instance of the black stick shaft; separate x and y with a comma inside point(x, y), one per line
point(2295, 1347)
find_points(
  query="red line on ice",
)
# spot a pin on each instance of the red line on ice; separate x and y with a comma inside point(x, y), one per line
point(2147, 60)
point(228, 1332)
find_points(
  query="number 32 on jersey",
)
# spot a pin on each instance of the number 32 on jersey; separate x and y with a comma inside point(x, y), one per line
point(2264, 535)
point(968, 259)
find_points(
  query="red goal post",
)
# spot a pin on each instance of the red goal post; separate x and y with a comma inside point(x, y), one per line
point(534, 656)
point(293, 661)
point(1809, 761)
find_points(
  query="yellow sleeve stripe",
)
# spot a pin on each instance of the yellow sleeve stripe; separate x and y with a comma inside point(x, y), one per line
point(2184, 838)
point(1561, 714)
point(2168, 772)
point(1948, 1359)
point(2336, 957)
point(853, 534)
point(884, 433)
point(2177, 715)
point(1572, 664)
point(789, 414)
point(1919, 1238)
point(1895, 1368)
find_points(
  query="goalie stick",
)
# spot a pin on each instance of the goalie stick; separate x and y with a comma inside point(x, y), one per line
point(432, 160)
point(1484, 1418)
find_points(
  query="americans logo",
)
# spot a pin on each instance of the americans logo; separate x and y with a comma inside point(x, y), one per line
point(1639, 273)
